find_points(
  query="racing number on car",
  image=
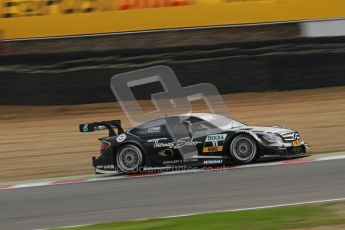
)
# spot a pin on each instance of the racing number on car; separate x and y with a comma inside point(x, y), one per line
point(214, 143)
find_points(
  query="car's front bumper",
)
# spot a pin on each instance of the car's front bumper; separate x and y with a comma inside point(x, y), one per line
point(286, 151)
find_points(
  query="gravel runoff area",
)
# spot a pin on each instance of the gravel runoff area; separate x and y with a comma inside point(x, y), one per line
point(43, 142)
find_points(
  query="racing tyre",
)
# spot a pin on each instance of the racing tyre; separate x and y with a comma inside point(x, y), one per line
point(129, 159)
point(244, 149)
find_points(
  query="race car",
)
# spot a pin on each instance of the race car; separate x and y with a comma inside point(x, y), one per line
point(189, 141)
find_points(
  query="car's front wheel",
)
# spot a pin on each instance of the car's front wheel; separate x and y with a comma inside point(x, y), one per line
point(129, 159)
point(243, 149)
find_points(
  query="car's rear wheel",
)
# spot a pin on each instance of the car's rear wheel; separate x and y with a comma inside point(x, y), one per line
point(243, 149)
point(129, 159)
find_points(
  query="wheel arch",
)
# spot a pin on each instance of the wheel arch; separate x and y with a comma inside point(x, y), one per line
point(243, 132)
point(129, 142)
point(246, 133)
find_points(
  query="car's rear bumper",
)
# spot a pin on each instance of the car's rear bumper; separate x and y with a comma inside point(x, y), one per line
point(103, 163)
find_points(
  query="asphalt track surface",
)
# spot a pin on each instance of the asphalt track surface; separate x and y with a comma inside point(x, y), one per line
point(147, 197)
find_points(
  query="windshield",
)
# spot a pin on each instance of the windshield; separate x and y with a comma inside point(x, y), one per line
point(222, 122)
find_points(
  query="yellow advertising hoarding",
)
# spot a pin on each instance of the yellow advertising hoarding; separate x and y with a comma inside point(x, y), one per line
point(51, 18)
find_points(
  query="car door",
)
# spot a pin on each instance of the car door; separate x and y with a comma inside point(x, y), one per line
point(211, 140)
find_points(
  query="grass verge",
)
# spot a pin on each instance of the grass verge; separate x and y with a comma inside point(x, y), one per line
point(304, 216)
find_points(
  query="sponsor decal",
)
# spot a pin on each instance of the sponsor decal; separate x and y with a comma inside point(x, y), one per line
point(105, 166)
point(186, 141)
point(216, 137)
point(214, 143)
point(121, 138)
point(210, 162)
point(158, 144)
point(108, 167)
point(212, 149)
point(154, 129)
point(179, 161)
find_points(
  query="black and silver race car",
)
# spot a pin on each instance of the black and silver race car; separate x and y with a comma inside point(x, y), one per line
point(189, 140)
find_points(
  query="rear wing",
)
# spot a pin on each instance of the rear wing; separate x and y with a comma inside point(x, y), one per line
point(91, 127)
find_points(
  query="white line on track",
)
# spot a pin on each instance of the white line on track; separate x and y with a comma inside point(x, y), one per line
point(229, 210)
point(257, 208)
